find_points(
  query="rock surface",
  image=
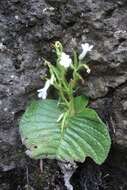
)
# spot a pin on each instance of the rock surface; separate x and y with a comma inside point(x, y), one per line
point(27, 31)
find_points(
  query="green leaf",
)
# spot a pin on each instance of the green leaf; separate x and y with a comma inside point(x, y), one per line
point(84, 135)
point(80, 102)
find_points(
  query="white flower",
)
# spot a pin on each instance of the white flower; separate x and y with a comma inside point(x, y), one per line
point(85, 48)
point(87, 68)
point(65, 60)
point(42, 93)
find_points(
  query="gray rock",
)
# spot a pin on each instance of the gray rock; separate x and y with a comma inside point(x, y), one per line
point(119, 116)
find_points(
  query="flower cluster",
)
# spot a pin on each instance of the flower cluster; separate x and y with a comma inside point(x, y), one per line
point(64, 60)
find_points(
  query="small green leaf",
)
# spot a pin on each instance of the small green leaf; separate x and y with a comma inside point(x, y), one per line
point(80, 102)
point(84, 135)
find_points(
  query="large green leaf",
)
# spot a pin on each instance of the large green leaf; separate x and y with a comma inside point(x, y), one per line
point(84, 135)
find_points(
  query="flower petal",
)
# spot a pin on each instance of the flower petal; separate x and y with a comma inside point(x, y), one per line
point(42, 93)
point(85, 48)
point(65, 60)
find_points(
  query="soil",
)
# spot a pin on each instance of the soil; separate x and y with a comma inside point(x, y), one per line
point(27, 31)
